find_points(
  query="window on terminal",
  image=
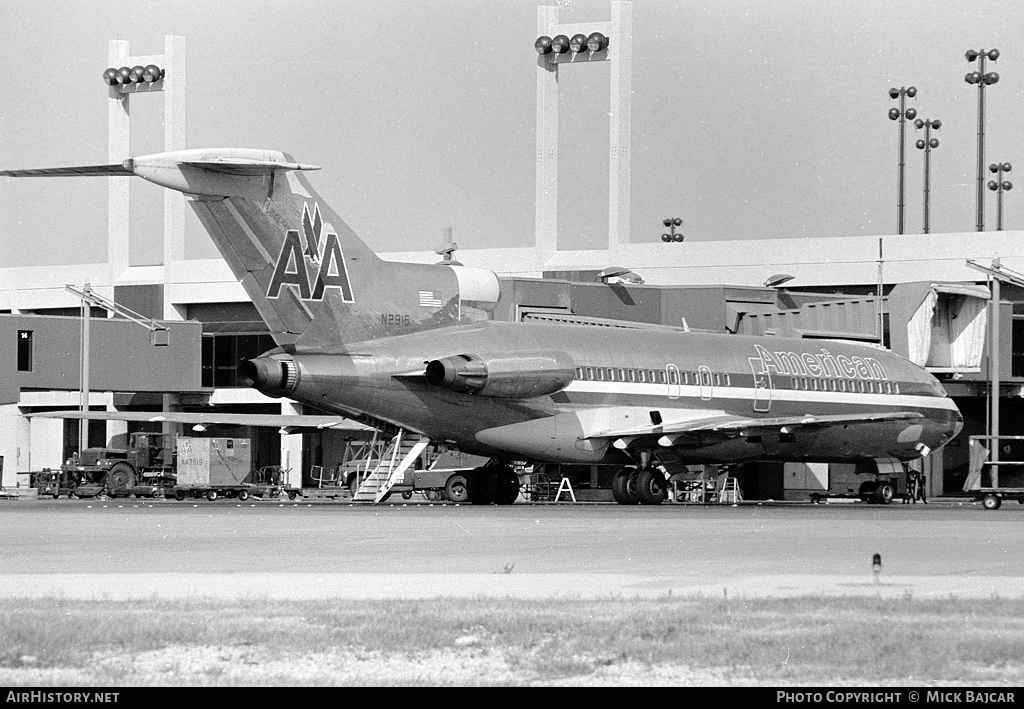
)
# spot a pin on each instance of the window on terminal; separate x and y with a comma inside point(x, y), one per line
point(24, 350)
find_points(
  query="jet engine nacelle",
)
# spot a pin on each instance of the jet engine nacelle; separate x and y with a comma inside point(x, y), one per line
point(503, 376)
point(274, 375)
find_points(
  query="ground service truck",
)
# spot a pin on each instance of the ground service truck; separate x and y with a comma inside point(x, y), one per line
point(144, 469)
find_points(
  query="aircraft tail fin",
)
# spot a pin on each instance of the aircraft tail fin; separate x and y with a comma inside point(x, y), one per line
point(314, 281)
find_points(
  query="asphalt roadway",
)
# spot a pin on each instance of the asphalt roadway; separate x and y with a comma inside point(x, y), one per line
point(121, 549)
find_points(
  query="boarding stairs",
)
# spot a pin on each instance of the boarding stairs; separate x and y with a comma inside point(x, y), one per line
point(401, 453)
point(729, 493)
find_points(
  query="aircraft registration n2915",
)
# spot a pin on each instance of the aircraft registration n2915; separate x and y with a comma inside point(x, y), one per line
point(411, 346)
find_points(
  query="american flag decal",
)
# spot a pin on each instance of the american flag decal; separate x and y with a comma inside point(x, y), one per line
point(429, 299)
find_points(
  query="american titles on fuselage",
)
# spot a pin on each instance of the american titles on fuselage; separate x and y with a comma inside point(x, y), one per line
point(823, 364)
point(311, 262)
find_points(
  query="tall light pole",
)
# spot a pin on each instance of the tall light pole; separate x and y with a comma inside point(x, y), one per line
point(901, 114)
point(982, 80)
point(999, 186)
point(926, 144)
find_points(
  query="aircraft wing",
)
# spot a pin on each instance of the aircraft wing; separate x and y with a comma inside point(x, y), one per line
point(290, 422)
point(729, 425)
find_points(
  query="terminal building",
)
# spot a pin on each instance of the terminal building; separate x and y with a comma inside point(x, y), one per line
point(935, 311)
point(928, 297)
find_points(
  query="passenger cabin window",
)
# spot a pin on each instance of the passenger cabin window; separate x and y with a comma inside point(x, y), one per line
point(631, 373)
point(579, 372)
point(673, 376)
point(589, 373)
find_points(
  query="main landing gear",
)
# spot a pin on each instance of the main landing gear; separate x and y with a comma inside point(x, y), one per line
point(496, 484)
point(876, 491)
point(643, 486)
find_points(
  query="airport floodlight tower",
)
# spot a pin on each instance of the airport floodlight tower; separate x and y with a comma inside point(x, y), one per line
point(128, 75)
point(926, 144)
point(558, 47)
point(982, 79)
point(999, 186)
point(901, 114)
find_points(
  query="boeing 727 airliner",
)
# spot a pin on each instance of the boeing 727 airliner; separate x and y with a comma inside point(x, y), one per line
point(410, 346)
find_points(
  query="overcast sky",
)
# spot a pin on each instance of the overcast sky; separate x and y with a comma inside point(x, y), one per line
point(751, 119)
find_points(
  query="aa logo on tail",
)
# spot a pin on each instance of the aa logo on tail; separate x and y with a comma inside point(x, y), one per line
point(311, 261)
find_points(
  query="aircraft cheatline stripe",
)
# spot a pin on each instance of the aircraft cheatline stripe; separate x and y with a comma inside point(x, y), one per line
point(777, 395)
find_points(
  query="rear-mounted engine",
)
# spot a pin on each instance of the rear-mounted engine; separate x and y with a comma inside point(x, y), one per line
point(503, 376)
point(274, 376)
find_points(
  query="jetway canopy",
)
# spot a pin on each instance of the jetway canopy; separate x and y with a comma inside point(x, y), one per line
point(947, 331)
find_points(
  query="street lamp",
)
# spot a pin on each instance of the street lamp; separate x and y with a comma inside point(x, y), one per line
point(982, 80)
point(999, 186)
point(671, 235)
point(926, 144)
point(901, 114)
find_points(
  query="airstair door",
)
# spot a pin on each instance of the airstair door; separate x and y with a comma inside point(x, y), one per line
point(762, 386)
point(707, 386)
point(674, 381)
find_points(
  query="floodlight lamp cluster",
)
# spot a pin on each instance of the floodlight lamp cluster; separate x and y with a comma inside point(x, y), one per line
point(931, 142)
point(910, 113)
point(560, 44)
point(980, 77)
point(670, 236)
point(133, 75)
point(1002, 185)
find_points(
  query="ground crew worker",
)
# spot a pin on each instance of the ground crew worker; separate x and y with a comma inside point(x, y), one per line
point(912, 485)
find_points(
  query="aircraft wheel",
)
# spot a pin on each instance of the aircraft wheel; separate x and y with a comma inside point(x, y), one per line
point(477, 486)
point(651, 488)
point(866, 490)
point(456, 488)
point(121, 476)
point(624, 487)
point(991, 502)
point(502, 485)
point(883, 493)
point(211, 495)
point(243, 495)
point(407, 495)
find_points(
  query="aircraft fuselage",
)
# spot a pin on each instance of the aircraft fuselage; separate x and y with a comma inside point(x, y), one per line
point(621, 377)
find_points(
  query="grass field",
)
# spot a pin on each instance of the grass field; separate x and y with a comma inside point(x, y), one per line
point(856, 641)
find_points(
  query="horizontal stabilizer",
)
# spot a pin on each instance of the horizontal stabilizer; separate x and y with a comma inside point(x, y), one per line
point(334, 423)
point(242, 166)
point(237, 166)
point(82, 171)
